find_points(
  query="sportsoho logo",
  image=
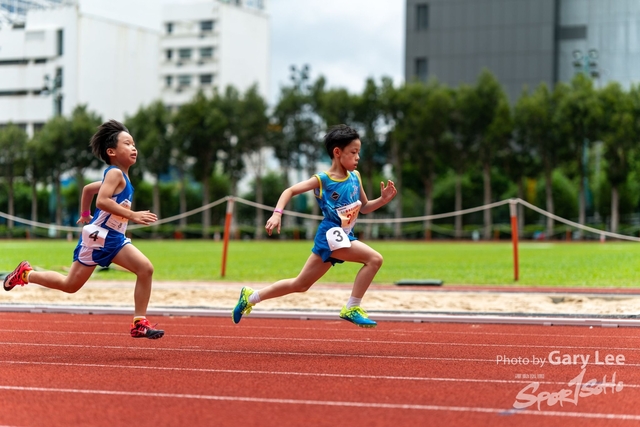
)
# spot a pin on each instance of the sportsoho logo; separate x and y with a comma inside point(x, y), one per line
point(577, 388)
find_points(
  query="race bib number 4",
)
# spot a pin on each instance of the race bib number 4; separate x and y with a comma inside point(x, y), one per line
point(119, 223)
point(337, 238)
point(93, 236)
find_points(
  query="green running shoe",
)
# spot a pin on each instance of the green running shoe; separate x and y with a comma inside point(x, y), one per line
point(243, 306)
point(357, 316)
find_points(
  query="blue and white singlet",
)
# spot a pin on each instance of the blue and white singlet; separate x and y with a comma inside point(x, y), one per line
point(102, 239)
point(340, 204)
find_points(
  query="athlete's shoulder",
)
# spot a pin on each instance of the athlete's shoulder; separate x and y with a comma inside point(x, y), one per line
point(357, 175)
point(113, 171)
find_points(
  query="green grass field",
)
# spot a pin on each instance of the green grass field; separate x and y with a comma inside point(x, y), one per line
point(471, 263)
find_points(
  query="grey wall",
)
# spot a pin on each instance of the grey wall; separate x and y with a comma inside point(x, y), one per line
point(612, 28)
point(514, 39)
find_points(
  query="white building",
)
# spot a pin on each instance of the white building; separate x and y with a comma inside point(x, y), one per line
point(112, 55)
point(211, 44)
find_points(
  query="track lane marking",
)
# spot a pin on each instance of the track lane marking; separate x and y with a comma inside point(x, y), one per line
point(405, 331)
point(272, 353)
point(291, 373)
point(347, 340)
point(338, 340)
point(374, 405)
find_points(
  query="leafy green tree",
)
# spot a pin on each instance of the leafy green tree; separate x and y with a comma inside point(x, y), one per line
point(620, 134)
point(426, 121)
point(536, 132)
point(202, 126)
point(368, 120)
point(38, 170)
point(457, 148)
point(392, 111)
point(251, 142)
point(368, 117)
point(579, 118)
point(64, 143)
point(334, 106)
point(13, 142)
point(150, 128)
point(82, 125)
point(296, 144)
point(53, 142)
point(487, 118)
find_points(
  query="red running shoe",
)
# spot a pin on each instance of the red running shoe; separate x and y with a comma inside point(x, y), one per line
point(142, 329)
point(17, 276)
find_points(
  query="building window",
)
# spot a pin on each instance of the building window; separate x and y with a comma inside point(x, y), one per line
point(422, 69)
point(169, 27)
point(14, 62)
point(37, 127)
point(184, 53)
point(422, 16)
point(184, 80)
point(58, 105)
point(60, 42)
point(168, 81)
point(57, 82)
point(14, 93)
point(206, 52)
point(258, 4)
point(206, 79)
point(206, 26)
point(574, 32)
point(169, 54)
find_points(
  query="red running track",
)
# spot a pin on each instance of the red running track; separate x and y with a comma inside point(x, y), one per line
point(84, 370)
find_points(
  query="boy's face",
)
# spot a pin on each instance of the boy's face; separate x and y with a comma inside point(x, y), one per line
point(125, 152)
point(349, 155)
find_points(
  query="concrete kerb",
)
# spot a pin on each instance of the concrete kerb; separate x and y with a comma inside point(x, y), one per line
point(510, 319)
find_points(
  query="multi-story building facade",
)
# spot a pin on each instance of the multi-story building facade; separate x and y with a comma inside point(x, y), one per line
point(14, 11)
point(523, 42)
point(81, 53)
point(119, 55)
point(210, 46)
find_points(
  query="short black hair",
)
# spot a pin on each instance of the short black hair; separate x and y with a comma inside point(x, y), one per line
point(339, 136)
point(106, 137)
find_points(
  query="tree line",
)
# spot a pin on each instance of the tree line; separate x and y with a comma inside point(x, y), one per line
point(570, 149)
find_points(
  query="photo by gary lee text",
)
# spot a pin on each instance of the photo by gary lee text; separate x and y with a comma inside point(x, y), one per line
point(558, 358)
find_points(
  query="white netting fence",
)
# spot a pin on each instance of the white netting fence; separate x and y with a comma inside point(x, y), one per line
point(384, 221)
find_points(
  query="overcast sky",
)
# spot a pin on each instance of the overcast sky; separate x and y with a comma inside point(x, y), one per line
point(346, 41)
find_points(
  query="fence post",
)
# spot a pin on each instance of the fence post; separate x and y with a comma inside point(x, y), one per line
point(227, 231)
point(513, 209)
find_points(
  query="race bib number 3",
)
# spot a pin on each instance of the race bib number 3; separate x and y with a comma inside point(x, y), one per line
point(337, 238)
point(93, 236)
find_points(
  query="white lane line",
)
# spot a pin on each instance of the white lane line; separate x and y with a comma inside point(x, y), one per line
point(347, 340)
point(447, 318)
point(438, 329)
point(375, 405)
point(342, 330)
point(269, 353)
point(290, 373)
point(426, 343)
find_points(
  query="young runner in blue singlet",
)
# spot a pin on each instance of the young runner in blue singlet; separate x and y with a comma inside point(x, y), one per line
point(341, 198)
point(103, 239)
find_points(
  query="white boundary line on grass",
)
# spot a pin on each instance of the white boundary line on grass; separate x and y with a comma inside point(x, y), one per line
point(313, 315)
